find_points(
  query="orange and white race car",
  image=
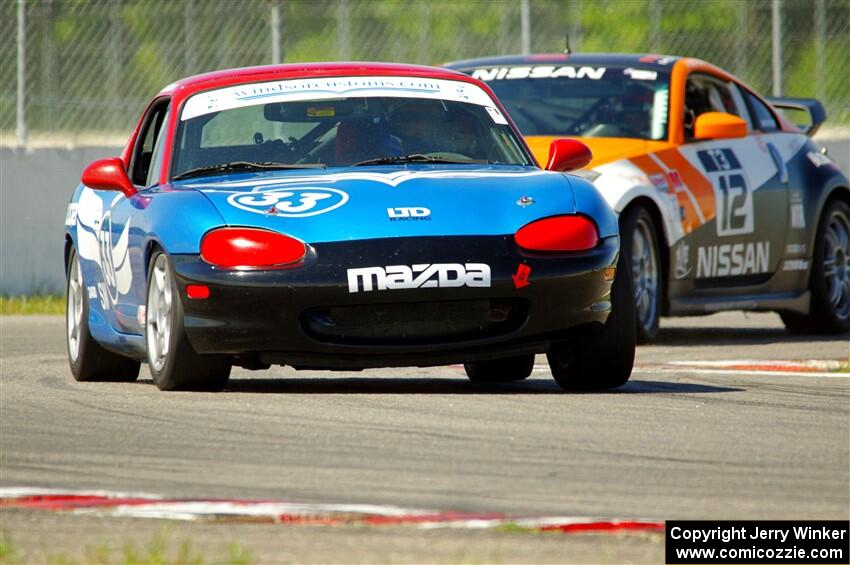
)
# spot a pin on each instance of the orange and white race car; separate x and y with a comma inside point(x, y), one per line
point(724, 203)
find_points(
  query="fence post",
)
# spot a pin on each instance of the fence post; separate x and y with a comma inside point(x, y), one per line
point(189, 66)
point(505, 35)
point(426, 54)
point(343, 39)
point(48, 72)
point(742, 40)
point(525, 27)
point(820, 49)
point(575, 25)
point(776, 51)
point(655, 26)
point(115, 37)
point(21, 120)
point(274, 23)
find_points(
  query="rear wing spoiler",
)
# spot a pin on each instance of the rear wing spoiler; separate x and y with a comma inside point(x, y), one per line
point(793, 108)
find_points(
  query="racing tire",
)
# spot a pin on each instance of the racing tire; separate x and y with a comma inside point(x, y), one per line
point(606, 360)
point(829, 283)
point(500, 370)
point(173, 364)
point(89, 360)
point(639, 242)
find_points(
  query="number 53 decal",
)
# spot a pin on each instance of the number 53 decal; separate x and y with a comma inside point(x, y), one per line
point(734, 199)
point(290, 202)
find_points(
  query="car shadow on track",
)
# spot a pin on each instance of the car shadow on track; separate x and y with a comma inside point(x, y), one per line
point(736, 336)
point(412, 386)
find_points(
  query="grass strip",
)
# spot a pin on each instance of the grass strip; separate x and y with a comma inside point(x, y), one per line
point(32, 305)
point(159, 551)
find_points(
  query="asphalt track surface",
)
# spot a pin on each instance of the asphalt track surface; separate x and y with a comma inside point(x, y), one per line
point(671, 444)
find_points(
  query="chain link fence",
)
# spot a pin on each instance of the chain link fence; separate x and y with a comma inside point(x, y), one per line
point(79, 72)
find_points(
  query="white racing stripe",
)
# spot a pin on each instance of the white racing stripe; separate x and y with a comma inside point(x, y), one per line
point(393, 179)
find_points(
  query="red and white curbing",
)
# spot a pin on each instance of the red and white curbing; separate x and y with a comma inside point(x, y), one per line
point(137, 505)
point(811, 368)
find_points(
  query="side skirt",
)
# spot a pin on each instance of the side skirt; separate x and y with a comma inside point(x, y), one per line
point(789, 302)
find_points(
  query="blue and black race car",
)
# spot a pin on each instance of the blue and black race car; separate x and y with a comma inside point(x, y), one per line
point(341, 216)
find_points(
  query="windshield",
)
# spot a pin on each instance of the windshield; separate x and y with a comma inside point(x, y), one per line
point(342, 122)
point(583, 101)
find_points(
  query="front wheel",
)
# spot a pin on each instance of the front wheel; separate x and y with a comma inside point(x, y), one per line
point(173, 363)
point(88, 359)
point(604, 361)
point(639, 243)
point(830, 279)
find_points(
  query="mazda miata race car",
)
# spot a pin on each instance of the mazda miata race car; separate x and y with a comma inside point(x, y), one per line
point(724, 204)
point(341, 216)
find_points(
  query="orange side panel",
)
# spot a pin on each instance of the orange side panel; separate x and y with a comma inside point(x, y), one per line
point(696, 182)
point(647, 165)
point(690, 220)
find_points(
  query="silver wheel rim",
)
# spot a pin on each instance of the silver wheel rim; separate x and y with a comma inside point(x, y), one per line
point(74, 309)
point(644, 274)
point(836, 263)
point(158, 313)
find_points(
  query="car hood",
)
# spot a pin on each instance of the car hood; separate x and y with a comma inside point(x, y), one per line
point(604, 149)
point(400, 201)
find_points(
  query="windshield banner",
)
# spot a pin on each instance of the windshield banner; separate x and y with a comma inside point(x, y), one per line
point(330, 88)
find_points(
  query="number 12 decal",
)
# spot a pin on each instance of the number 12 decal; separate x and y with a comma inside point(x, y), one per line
point(734, 199)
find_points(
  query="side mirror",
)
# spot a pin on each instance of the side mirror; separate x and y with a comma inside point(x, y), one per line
point(108, 174)
point(568, 155)
point(719, 125)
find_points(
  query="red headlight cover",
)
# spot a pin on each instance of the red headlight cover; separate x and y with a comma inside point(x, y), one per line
point(558, 233)
point(250, 248)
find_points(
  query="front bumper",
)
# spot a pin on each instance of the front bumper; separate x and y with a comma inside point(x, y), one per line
point(307, 317)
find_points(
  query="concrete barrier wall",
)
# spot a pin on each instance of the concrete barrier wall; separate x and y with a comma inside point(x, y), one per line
point(34, 190)
point(35, 187)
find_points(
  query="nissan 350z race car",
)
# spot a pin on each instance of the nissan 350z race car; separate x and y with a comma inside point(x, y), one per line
point(724, 203)
point(341, 216)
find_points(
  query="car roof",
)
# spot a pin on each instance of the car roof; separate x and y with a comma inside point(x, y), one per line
point(179, 91)
point(646, 60)
point(244, 75)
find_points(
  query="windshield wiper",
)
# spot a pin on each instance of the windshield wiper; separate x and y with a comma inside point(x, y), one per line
point(245, 166)
point(416, 158)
